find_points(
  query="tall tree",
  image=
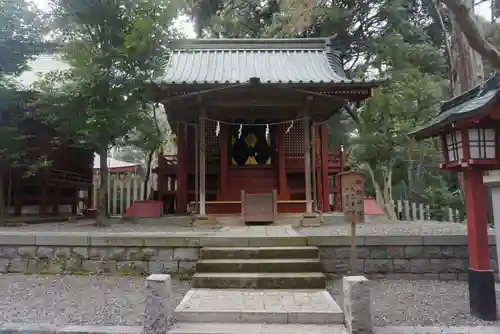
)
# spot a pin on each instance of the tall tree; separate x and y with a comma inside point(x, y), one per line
point(20, 41)
point(380, 145)
point(466, 20)
point(116, 49)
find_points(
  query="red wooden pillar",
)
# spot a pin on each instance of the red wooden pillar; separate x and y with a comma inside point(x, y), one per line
point(324, 169)
point(481, 277)
point(181, 192)
point(283, 183)
point(223, 142)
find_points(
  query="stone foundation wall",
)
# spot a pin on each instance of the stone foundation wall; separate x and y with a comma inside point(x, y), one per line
point(429, 262)
point(429, 257)
point(105, 260)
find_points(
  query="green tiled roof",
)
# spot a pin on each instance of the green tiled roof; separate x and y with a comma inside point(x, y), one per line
point(463, 106)
point(233, 61)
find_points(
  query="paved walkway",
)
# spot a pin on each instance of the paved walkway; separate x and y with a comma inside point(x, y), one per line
point(164, 228)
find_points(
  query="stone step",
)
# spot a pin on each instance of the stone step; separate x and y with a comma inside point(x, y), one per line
point(259, 252)
point(259, 306)
point(314, 280)
point(242, 328)
point(258, 266)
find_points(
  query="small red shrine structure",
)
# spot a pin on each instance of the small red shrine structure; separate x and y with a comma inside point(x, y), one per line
point(249, 117)
point(69, 171)
point(469, 129)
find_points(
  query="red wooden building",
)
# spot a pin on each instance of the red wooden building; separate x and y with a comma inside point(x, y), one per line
point(53, 189)
point(249, 115)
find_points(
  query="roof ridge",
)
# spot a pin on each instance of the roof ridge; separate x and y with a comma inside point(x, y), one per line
point(493, 82)
point(251, 43)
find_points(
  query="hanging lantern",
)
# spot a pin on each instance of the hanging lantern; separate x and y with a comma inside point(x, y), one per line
point(469, 146)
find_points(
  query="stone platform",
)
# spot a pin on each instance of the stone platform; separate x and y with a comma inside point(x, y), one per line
point(231, 328)
point(259, 306)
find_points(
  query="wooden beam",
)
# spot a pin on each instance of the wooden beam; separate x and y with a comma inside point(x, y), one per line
point(253, 103)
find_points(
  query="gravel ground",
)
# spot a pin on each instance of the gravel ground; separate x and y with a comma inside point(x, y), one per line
point(419, 303)
point(115, 300)
point(76, 300)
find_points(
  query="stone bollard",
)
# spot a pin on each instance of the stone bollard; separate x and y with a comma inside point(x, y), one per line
point(357, 304)
point(158, 304)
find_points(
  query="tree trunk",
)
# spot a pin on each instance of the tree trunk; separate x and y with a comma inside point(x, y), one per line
point(103, 187)
point(384, 198)
point(463, 12)
point(388, 205)
point(3, 216)
point(148, 173)
point(467, 65)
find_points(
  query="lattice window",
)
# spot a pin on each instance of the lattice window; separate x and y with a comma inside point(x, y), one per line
point(211, 140)
point(294, 139)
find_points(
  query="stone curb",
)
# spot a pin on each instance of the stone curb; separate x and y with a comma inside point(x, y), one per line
point(155, 240)
point(15, 328)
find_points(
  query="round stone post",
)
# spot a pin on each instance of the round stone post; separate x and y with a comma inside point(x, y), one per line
point(158, 304)
point(357, 304)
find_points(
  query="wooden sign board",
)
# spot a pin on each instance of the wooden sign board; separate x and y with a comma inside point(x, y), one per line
point(353, 196)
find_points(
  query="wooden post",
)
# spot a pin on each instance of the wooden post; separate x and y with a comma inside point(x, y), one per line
point(202, 150)
point(42, 209)
point(18, 200)
point(307, 163)
point(56, 200)
point(283, 184)
point(353, 192)
point(197, 168)
point(223, 160)
point(318, 169)
point(324, 169)
point(90, 194)
point(75, 201)
point(181, 192)
point(313, 187)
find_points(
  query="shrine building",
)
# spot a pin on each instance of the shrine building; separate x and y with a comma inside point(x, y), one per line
point(249, 117)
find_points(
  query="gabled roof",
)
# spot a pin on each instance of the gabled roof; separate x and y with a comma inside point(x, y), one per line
point(466, 105)
point(233, 61)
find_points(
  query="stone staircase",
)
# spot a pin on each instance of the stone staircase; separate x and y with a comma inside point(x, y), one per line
point(258, 290)
point(259, 268)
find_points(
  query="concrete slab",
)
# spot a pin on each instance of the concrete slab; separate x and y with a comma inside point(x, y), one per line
point(259, 306)
point(242, 328)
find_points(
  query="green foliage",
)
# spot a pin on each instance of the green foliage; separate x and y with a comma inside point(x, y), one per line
point(116, 49)
point(20, 40)
point(20, 36)
point(440, 198)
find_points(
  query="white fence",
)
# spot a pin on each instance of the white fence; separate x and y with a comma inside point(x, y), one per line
point(123, 190)
point(406, 210)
